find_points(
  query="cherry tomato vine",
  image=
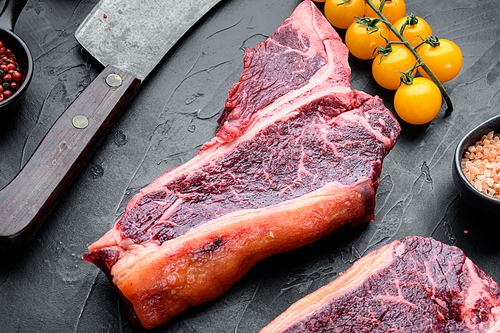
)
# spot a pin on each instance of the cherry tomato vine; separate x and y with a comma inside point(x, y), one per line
point(420, 62)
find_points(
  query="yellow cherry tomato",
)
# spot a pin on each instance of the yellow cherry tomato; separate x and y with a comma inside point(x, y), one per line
point(445, 60)
point(341, 13)
point(364, 36)
point(386, 69)
point(419, 102)
point(415, 31)
point(393, 9)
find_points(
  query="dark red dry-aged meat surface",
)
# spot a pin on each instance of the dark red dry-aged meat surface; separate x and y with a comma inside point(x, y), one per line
point(297, 155)
point(422, 286)
point(285, 160)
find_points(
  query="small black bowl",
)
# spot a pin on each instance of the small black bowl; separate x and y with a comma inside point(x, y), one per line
point(477, 200)
point(8, 17)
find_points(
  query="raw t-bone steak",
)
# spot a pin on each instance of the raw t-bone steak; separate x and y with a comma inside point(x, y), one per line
point(416, 285)
point(297, 155)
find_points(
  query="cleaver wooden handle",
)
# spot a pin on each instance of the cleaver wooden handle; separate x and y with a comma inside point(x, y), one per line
point(30, 197)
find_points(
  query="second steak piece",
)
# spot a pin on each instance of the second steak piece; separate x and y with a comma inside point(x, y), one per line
point(298, 155)
point(416, 284)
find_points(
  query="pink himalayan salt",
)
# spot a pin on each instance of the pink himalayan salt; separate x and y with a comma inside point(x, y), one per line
point(481, 164)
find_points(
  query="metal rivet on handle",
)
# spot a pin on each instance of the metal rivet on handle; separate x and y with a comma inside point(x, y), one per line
point(80, 121)
point(114, 80)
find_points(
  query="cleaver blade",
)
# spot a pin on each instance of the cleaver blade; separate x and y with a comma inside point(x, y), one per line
point(134, 35)
point(129, 38)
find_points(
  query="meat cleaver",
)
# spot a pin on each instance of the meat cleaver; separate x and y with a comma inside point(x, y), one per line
point(129, 37)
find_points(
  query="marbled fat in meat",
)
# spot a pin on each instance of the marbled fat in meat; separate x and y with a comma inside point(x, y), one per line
point(416, 284)
point(297, 155)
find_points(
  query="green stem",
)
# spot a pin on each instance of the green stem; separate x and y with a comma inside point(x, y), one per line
point(422, 64)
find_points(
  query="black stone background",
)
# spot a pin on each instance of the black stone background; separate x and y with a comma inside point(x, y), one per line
point(47, 287)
